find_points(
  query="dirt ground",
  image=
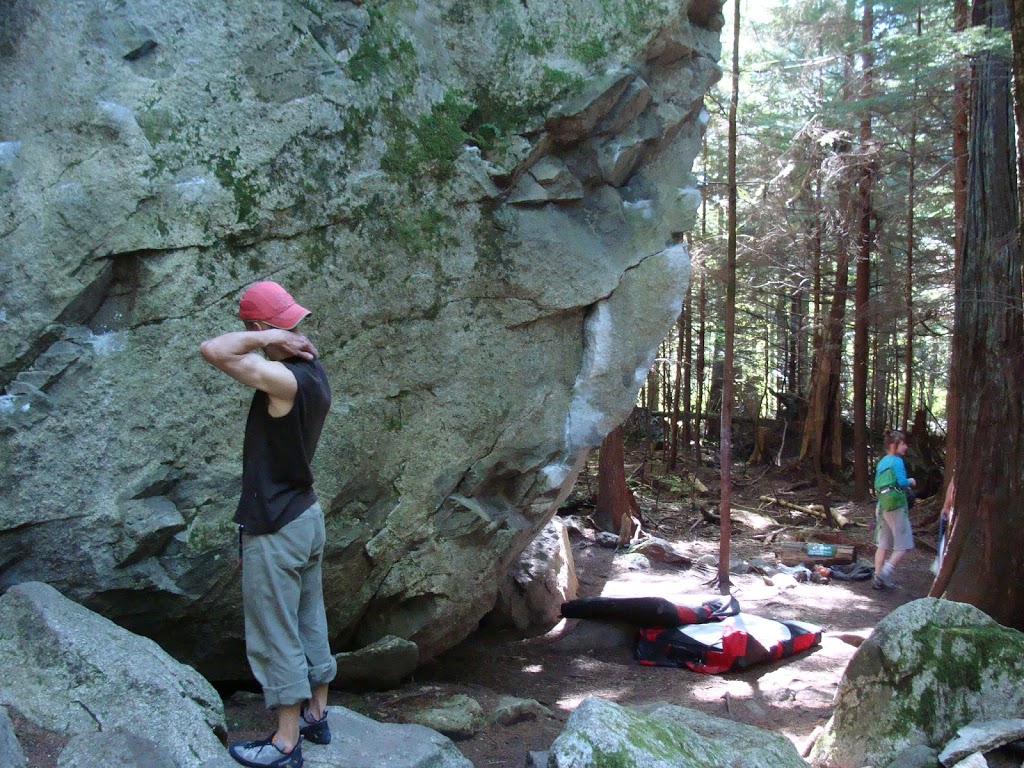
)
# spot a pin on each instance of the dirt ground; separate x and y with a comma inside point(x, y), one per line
point(572, 661)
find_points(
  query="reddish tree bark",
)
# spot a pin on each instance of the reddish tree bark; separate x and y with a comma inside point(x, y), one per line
point(725, 449)
point(615, 502)
point(961, 110)
point(984, 563)
point(861, 321)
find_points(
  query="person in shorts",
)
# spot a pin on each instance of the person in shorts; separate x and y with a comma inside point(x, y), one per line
point(893, 533)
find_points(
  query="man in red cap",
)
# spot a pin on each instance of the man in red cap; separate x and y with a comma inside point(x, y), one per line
point(281, 524)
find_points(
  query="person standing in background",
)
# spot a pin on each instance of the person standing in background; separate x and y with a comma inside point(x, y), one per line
point(892, 531)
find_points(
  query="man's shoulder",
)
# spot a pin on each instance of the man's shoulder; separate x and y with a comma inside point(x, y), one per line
point(310, 375)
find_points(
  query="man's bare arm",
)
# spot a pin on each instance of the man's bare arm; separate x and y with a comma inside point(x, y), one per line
point(236, 354)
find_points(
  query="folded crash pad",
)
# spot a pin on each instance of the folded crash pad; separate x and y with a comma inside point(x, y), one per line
point(653, 611)
point(735, 642)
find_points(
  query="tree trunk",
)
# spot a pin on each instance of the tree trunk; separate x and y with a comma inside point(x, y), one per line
point(961, 110)
point(1017, 34)
point(687, 342)
point(615, 502)
point(822, 439)
point(672, 449)
point(861, 321)
point(700, 363)
point(908, 285)
point(725, 507)
point(823, 428)
point(984, 563)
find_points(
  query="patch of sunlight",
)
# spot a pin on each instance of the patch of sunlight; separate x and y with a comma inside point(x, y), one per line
point(533, 669)
point(712, 693)
point(569, 703)
point(739, 688)
point(753, 520)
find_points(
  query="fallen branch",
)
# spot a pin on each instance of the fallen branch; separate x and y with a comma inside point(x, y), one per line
point(755, 481)
point(710, 517)
point(768, 538)
point(814, 510)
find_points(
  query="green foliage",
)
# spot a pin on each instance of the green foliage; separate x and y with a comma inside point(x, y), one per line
point(590, 51)
point(419, 231)
point(242, 186)
point(800, 113)
point(383, 54)
point(430, 145)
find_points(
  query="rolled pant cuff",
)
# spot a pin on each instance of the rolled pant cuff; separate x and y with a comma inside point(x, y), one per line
point(323, 674)
point(286, 695)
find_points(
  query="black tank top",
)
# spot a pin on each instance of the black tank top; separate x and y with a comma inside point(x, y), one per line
point(277, 480)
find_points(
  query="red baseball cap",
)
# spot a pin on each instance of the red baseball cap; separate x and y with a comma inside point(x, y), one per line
point(269, 303)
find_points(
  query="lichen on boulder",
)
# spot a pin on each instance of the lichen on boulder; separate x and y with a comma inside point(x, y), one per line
point(930, 667)
point(600, 733)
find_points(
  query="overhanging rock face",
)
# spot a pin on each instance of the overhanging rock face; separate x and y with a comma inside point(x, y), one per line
point(481, 202)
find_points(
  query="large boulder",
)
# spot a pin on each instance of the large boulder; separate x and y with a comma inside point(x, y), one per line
point(930, 667)
point(600, 733)
point(484, 205)
point(11, 754)
point(539, 580)
point(71, 671)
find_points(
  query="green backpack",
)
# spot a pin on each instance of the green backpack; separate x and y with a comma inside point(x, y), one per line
point(890, 495)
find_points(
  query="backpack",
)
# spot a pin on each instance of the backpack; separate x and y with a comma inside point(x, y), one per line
point(890, 495)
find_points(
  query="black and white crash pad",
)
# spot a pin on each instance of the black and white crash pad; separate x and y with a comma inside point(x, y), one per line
point(735, 642)
point(653, 611)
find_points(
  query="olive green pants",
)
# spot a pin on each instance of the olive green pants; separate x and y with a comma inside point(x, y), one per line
point(285, 622)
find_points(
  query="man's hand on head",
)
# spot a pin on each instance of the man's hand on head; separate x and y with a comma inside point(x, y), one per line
point(290, 344)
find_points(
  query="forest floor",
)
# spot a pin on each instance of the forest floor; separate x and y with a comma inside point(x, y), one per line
point(562, 667)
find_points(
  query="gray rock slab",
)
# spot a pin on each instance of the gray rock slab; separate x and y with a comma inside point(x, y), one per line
point(379, 666)
point(981, 736)
point(458, 717)
point(975, 760)
point(221, 761)
point(11, 754)
point(590, 634)
point(600, 733)
point(359, 742)
point(70, 670)
point(917, 756)
point(744, 745)
point(119, 747)
point(537, 759)
point(537, 582)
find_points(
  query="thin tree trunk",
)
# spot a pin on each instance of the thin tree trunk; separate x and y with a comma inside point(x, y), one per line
point(908, 284)
point(725, 509)
point(701, 364)
point(688, 364)
point(861, 325)
point(672, 449)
